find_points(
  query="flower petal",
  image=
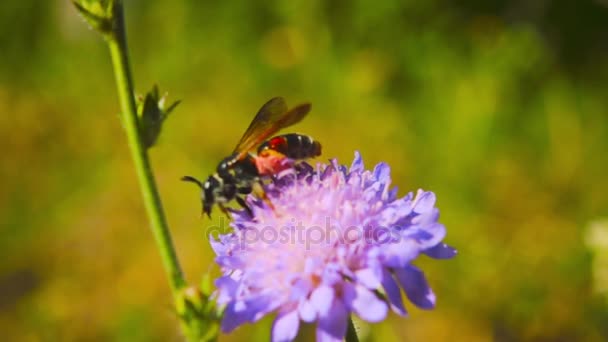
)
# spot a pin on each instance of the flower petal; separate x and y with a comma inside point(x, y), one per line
point(218, 246)
point(308, 312)
point(239, 312)
point(441, 251)
point(228, 288)
point(425, 201)
point(357, 165)
point(368, 277)
point(364, 303)
point(393, 293)
point(382, 173)
point(285, 326)
point(416, 288)
point(321, 298)
point(233, 318)
point(332, 326)
point(427, 237)
point(300, 289)
point(429, 216)
point(399, 253)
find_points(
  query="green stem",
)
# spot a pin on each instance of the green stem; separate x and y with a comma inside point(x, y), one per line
point(117, 42)
point(351, 331)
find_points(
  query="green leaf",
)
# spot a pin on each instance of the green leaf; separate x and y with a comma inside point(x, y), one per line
point(199, 315)
point(99, 15)
point(152, 114)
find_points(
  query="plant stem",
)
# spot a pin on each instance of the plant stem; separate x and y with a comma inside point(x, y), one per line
point(117, 42)
point(351, 331)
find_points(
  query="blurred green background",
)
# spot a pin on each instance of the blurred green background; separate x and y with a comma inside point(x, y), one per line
point(500, 107)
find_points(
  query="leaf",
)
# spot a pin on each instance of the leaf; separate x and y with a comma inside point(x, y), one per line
point(152, 115)
point(97, 15)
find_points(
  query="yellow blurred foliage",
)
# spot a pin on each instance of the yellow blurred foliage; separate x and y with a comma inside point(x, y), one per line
point(504, 124)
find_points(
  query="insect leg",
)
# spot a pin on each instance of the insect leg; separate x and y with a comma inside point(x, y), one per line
point(223, 209)
point(258, 190)
point(243, 204)
point(244, 190)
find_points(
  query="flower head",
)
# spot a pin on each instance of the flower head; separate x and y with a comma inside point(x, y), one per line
point(339, 241)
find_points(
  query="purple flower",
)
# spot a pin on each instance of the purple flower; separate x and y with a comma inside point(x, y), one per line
point(339, 241)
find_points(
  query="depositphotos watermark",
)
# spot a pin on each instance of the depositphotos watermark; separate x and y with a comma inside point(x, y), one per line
point(298, 233)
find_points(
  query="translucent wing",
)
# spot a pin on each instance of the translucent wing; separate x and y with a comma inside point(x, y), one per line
point(272, 117)
point(270, 111)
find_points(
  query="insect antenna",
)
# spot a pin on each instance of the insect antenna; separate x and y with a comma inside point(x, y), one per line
point(193, 180)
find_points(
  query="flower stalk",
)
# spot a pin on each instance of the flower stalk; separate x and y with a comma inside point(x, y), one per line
point(196, 312)
point(117, 43)
point(351, 331)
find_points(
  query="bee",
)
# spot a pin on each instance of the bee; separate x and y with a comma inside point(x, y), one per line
point(241, 173)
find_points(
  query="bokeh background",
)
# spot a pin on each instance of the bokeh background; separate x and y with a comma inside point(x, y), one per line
point(500, 107)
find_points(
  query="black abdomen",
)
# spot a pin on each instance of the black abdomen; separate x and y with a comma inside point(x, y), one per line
point(293, 146)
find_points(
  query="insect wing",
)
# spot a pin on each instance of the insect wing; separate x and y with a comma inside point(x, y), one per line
point(272, 117)
point(270, 111)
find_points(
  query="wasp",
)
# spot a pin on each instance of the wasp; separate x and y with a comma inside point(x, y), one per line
point(281, 152)
point(241, 173)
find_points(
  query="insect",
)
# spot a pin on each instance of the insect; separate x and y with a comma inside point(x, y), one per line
point(240, 173)
point(280, 152)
